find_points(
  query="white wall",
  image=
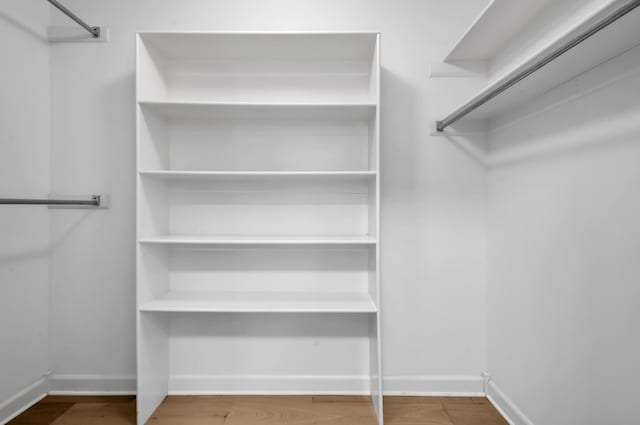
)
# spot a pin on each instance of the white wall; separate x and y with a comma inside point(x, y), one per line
point(24, 172)
point(434, 260)
point(564, 251)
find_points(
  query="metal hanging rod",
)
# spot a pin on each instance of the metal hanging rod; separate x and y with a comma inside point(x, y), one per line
point(93, 202)
point(608, 20)
point(95, 31)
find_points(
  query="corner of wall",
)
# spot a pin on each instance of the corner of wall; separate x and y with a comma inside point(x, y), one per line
point(505, 406)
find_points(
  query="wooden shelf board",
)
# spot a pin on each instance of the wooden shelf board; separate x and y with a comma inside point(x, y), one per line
point(262, 302)
point(175, 174)
point(494, 27)
point(193, 240)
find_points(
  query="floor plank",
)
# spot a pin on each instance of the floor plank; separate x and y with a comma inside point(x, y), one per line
point(416, 413)
point(43, 413)
point(262, 410)
point(99, 414)
point(192, 410)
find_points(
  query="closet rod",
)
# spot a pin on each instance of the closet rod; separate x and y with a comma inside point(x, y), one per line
point(93, 202)
point(474, 104)
point(95, 31)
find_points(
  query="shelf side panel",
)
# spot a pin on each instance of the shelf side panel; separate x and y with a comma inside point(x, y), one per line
point(151, 82)
point(153, 364)
point(375, 341)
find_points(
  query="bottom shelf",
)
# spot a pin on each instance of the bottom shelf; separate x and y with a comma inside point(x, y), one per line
point(262, 302)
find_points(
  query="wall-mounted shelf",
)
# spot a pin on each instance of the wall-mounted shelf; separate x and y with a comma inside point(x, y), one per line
point(493, 28)
point(607, 43)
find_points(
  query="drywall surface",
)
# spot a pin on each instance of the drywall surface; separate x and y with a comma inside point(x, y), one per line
point(24, 172)
point(433, 193)
point(564, 251)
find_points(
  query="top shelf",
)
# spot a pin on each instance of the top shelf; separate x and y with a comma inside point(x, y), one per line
point(606, 44)
point(271, 46)
point(493, 28)
point(258, 68)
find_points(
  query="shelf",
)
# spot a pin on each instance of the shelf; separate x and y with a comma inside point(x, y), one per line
point(214, 240)
point(289, 111)
point(325, 46)
point(257, 67)
point(262, 302)
point(257, 192)
point(206, 175)
point(494, 27)
point(608, 43)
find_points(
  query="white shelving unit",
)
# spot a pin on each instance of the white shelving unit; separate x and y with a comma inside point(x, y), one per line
point(510, 36)
point(258, 193)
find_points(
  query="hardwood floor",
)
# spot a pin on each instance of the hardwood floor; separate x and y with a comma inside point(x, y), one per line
point(262, 410)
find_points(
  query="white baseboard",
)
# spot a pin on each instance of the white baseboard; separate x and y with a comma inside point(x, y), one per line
point(92, 385)
point(268, 384)
point(506, 406)
point(20, 402)
point(247, 384)
point(434, 385)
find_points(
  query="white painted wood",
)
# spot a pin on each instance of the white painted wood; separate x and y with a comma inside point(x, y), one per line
point(375, 324)
point(269, 385)
point(153, 364)
point(81, 385)
point(605, 45)
point(258, 192)
point(23, 399)
point(434, 386)
point(507, 408)
point(152, 342)
point(261, 302)
point(241, 67)
point(195, 175)
point(149, 79)
point(212, 240)
point(459, 69)
point(493, 28)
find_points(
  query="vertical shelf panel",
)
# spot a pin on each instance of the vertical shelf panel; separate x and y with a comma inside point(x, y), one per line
point(375, 341)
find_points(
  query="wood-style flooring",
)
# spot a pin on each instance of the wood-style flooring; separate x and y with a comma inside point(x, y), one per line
point(262, 410)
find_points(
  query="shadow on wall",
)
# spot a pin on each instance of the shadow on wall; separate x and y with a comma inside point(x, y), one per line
point(116, 147)
point(474, 145)
point(400, 116)
point(38, 36)
point(570, 119)
point(7, 259)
